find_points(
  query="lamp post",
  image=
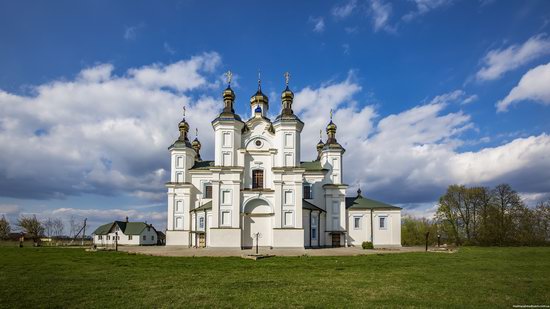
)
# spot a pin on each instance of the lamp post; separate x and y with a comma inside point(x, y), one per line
point(438, 240)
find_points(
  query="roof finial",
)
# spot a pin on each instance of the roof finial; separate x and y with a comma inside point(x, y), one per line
point(229, 77)
point(287, 78)
point(331, 114)
point(259, 80)
point(196, 132)
point(321, 134)
point(184, 111)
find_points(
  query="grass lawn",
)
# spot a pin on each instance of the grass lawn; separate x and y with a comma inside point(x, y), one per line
point(473, 277)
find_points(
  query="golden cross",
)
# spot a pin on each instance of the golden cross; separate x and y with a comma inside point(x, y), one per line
point(321, 133)
point(259, 79)
point(331, 114)
point(287, 77)
point(197, 132)
point(184, 111)
point(229, 76)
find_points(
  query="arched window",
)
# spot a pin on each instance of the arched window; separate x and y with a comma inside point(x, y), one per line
point(257, 179)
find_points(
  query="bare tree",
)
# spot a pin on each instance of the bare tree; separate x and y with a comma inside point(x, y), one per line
point(74, 227)
point(31, 226)
point(58, 227)
point(5, 228)
point(48, 227)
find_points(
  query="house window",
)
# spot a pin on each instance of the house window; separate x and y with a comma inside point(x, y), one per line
point(201, 223)
point(99, 237)
point(257, 179)
point(307, 191)
point(356, 223)
point(226, 218)
point(313, 227)
point(144, 237)
point(108, 237)
point(288, 218)
point(208, 190)
point(152, 237)
point(129, 237)
point(383, 223)
point(288, 199)
point(226, 197)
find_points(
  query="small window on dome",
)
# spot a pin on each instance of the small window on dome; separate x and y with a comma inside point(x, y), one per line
point(258, 143)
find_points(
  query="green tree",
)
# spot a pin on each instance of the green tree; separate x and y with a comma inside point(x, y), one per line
point(32, 226)
point(413, 231)
point(5, 228)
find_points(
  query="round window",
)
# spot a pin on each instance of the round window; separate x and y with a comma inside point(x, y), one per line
point(258, 143)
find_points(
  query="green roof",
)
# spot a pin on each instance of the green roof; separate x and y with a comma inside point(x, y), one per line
point(359, 202)
point(312, 166)
point(128, 228)
point(202, 165)
point(310, 206)
point(205, 206)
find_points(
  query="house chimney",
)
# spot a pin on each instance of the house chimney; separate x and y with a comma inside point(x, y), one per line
point(126, 219)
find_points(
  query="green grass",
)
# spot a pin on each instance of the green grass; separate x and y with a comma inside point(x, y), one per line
point(473, 277)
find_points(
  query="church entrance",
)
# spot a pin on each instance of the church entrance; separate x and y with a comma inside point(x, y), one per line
point(257, 224)
point(336, 240)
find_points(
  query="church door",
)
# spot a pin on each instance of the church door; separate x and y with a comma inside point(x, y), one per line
point(336, 240)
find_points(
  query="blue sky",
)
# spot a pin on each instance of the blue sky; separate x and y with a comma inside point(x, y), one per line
point(426, 93)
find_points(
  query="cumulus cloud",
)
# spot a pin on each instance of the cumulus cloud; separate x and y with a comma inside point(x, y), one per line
point(534, 86)
point(101, 133)
point(344, 10)
point(499, 61)
point(412, 156)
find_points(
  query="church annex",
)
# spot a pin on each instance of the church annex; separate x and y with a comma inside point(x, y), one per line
point(258, 189)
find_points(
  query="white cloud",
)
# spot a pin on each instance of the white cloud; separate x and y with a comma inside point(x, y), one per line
point(534, 85)
point(102, 133)
point(318, 24)
point(412, 156)
point(499, 61)
point(456, 96)
point(130, 32)
point(343, 11)
point(169, 49)
point(424, 6)
point(380, 13)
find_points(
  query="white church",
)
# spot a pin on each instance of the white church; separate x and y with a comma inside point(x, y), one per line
point(258, 191)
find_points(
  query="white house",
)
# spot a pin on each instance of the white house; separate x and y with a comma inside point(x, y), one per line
point(258, 189)
point(125, 233)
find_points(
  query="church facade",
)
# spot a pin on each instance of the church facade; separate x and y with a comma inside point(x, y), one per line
point(258, 191)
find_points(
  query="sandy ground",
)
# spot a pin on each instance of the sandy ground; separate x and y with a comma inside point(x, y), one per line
point(221, 252)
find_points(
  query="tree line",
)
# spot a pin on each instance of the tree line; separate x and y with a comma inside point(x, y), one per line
point(35, 229)
point(482, 216)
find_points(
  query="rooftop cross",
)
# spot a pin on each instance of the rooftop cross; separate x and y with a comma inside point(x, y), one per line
point(321, 133)
point(259, 80)
point(184, 111)
point(196, 132)
point(331, 114)
point(229, 77)
point(287, 78)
